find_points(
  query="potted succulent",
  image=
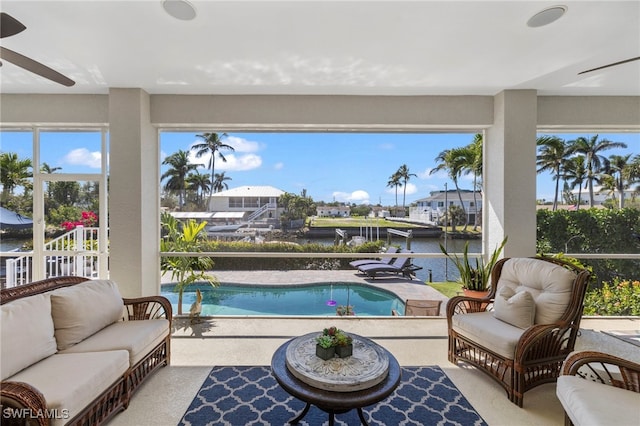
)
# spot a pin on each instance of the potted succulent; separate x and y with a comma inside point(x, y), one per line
point(474, 276)
point(324, 347)
point(332, 342)
point(343, 344)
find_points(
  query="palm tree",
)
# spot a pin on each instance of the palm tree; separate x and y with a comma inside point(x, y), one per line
point(186, 270)
point(394, 182)
point(219, 183)
point(177, 174)
point(45, 168)
point(211, 144)
point(14, 172)
point(404, 175)
point(470, 158)
point(552, 154)
point(575, 172)
point(616, 168)
point(633, 172)
point(200, 183)
point(451, 160)
point(592, 148)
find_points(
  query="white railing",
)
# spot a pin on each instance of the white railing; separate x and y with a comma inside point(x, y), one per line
point(74, 253)
point(425, 214)
point(262, 210)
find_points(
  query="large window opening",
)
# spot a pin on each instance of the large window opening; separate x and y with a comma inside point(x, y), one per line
point(64, 198)
point(590, 210)
point(357, 183)
point(302, 188)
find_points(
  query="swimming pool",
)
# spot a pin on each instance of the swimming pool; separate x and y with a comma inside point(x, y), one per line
point(294, 300)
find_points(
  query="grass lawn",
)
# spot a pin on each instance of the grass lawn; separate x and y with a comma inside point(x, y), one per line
point(448, 288)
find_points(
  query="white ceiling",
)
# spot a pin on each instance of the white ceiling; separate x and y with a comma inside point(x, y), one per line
point(327, 47)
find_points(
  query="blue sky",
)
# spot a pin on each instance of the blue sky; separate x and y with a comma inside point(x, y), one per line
point(350, 167)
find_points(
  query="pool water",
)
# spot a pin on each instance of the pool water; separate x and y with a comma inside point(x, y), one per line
point(295, 300)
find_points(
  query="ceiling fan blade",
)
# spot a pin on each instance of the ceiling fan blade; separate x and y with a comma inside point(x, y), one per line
point(9, 25)
point(35, 67)
point(610, 65)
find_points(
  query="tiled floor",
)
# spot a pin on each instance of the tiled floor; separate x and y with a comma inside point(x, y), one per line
point(413, 341)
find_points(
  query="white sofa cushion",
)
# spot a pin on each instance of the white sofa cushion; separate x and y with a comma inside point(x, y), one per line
point(136, 337)
point(549, 284)
point(27, 333)
point(488, 331)
point(71, 381)
point(517, 309)
point(83, 309)
point(590, 403)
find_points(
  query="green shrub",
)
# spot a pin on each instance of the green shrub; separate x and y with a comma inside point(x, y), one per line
point(622, 297)
point(284, 263)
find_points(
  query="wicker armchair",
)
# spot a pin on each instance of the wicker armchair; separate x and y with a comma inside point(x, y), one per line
point(599, 389)
point(520, 357)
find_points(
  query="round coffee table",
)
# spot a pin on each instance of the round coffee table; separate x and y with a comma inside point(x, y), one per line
point(328, 397)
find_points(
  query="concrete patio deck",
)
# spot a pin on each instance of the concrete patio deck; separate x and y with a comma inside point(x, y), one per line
point(414, 341)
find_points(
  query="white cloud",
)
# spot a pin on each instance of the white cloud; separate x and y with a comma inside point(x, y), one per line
point(426, 174)
point(243, 162)
point(242, 145)
point(239, 163)
point(411, 189)
point(278, 166)
point(234, 162)
point(358, 197)
point(84, 157)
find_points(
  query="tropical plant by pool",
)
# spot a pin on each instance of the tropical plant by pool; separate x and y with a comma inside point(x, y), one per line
point(287, 300)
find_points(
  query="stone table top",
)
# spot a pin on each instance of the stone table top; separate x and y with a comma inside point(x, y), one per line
point(368, 366)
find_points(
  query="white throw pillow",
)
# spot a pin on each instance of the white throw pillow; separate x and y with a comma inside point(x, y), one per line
point(84, 309)
point(27, 333)
point(518, 309)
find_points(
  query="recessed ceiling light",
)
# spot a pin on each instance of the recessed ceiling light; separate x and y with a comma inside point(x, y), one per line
point(546, 16)
point(179, 9)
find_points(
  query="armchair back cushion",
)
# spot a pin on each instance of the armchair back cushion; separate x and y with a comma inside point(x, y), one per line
point(84, 309)
point(27, 333)
point(550, 285)
point(517, 309)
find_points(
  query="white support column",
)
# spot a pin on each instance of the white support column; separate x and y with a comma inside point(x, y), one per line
point(510, 177)
point(133, 194)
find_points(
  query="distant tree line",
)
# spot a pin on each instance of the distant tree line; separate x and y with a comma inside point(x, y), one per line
point(64, 201)
point(580, 163)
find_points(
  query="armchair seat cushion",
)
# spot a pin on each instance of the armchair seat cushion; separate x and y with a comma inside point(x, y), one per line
point(69, 382)
point(486, 330)
point(591, 403)
point(138, 338)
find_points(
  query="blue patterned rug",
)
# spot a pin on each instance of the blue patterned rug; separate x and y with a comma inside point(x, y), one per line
point(242, 396)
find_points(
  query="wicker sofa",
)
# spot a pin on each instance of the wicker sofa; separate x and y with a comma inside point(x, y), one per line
point(524, 329)
point(74, 351)
point(596, 388)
